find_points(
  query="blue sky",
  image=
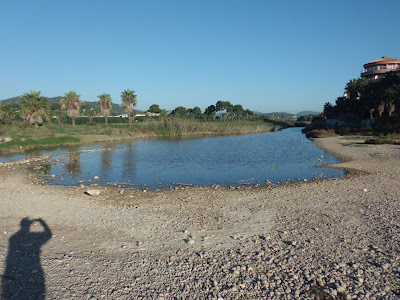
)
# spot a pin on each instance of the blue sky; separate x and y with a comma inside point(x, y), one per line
point(266, 55)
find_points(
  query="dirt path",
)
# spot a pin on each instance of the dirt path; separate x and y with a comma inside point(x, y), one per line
point(337, 238)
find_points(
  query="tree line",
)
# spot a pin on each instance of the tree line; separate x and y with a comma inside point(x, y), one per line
point(364, 100)
point(34, 107)
point(222, 109)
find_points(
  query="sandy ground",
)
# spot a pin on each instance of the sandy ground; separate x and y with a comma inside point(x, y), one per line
point(332, 239)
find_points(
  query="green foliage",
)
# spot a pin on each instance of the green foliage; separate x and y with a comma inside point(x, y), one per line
point(196, 111)
point(1, 111)
point(364, 100)
point(71, 103)
point(34, 108)
point(155, 108)
point(129, 101)
point(210, 110)
point(180, 111)
point(105, 104)
point(33, 143)
point(55, 106)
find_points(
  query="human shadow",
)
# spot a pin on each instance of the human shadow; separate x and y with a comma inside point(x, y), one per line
point(23, 277)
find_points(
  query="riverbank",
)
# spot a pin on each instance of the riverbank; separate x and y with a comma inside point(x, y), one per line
point(338, 237)
point(25, 138)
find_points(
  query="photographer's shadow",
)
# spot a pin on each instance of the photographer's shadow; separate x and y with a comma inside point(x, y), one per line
point(23, 277)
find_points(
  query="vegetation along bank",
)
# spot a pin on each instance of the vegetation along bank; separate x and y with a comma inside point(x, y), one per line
point(34, 121)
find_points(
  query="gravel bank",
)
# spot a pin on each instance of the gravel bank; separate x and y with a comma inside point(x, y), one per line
point(333, 239)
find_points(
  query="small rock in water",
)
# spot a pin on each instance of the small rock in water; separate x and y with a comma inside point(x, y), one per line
point(93, 192)
point(96, 178)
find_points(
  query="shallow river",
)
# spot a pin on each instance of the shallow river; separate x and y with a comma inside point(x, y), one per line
point(229, 160)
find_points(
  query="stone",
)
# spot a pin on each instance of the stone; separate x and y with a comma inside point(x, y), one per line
point(93, 192)
point(96, 178)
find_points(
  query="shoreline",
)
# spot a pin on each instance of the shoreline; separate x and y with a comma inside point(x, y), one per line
point(339, 238)
point(91, 139)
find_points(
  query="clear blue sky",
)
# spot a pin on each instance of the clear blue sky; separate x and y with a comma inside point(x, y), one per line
point(266, 55)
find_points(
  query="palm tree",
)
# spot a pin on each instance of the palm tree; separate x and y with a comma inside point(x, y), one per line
point(91, 113)
point(129, 99)
point(34, 108)
point(105, 103)
point(71, 103)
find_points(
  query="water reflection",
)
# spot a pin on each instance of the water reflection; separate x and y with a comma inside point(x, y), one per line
point(129, 165)
point(229, 160)
point(73, 165)
point(106, 161)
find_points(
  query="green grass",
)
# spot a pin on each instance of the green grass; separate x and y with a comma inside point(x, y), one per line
point(27, 143)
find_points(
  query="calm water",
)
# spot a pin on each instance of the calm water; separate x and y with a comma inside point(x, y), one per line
point(229, 160)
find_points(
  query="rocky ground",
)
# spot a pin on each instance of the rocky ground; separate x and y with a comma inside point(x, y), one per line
point(332, 239)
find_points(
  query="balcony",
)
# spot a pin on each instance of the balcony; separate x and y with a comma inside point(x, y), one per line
point(377, 72)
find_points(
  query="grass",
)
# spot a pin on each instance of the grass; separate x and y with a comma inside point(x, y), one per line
point(28, 143)
point(26, 136)
point(387, 139)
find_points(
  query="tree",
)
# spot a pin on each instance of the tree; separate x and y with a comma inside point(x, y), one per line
point(180, 111)
point(355, 87)
point(222, 105)
point(55, 106)
point(91, 113)
point(195, 111)
point(209, 110)
point(71, 103)
point(35, 108)
point(129, 101)
point(11, 110)
point(238, 110)
point(155, 108)
point(1, 111)
point(105, 103)
point(248, 113)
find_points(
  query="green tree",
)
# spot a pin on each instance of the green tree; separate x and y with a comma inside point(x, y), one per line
point(355, 87)
point(71, 103)
point(248, 113)
point(129, 101)
point(155, 108)
point(91, 113)
point(105, 104)
point(55, 106)
point(238, 111)
point(11, 111)
point(222, 105)
point(209, 110)
point(1, 111)
point(34, 108)
point(180, 111)
point(195, 111)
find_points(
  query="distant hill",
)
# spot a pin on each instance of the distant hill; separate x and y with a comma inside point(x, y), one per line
point(116, 108)
point(306, 113)
point(283, 115)
point(286, 115)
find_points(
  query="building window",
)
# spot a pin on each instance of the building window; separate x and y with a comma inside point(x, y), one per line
point(382, 67)
point(375, 68)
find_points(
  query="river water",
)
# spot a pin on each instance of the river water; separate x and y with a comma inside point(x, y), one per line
point(251, 159)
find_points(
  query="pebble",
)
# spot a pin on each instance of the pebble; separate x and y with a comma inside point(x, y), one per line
point(93, 192)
